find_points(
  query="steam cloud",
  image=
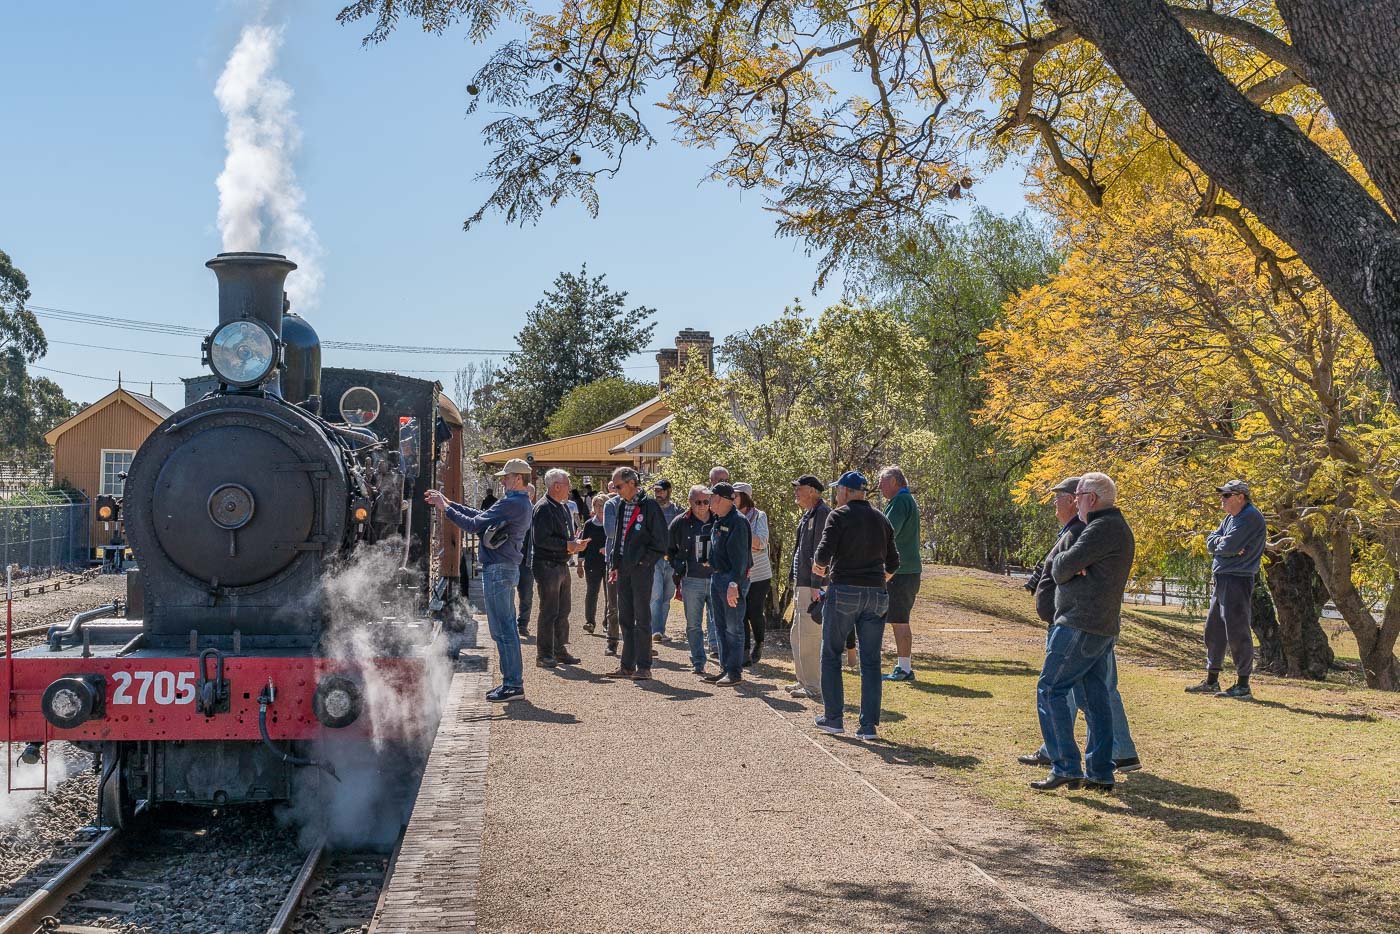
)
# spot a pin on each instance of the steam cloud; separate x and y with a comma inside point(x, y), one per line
point(371, 619)
point(15, 805)
point(260, 203)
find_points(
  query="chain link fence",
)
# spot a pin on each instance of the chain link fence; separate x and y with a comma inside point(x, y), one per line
point(49, 534)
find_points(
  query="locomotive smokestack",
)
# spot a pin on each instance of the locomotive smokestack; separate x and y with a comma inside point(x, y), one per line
point(250, 286)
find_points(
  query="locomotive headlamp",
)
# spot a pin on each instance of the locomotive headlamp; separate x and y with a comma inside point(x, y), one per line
point(336, 702)
point(73, 700)
point(242, 353)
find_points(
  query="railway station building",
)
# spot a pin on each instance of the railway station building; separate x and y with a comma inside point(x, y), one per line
point(638, 438)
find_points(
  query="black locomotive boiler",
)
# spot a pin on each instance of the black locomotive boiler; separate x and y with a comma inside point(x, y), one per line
point(240, 508)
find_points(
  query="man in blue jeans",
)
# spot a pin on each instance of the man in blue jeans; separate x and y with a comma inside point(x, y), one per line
point(731, 556)
point(663, 585)
point(501, 530)
point(1090, 576)
point(688, 560)
point(1042, 584)
point(857, 553)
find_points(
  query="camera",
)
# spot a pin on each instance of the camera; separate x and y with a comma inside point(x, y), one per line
point(1033, 581)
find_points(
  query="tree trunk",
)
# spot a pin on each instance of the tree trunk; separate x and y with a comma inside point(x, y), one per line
point(1292, 642)
point(1303, 195)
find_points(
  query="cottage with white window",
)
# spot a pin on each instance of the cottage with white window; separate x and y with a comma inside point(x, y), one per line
point(92, 450)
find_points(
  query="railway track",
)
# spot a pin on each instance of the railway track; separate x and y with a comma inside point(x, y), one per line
point(100, 888)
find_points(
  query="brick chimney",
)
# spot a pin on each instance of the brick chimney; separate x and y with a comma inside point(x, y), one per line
point(666, 360)
point(693, 344)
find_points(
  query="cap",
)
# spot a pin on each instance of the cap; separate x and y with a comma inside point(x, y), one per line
point(1234, 486)
point(1067, 485)
point(662, 484)
point(852, 480)
point(808, 480)
point(515, 465)
point(744, 488)
point(722, 489)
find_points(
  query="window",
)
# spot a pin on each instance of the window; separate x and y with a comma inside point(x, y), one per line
point(113, 464)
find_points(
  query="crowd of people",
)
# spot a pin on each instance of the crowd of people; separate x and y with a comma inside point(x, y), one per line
point(855, 569)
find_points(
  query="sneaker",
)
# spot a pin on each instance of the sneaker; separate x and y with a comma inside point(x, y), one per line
point(546, 661)
point(589, 627)
point(1237, 691)
point(899, 674)
point(729, 681)
point(798, 691)
point(1103, 788)
point(829, 726)
point(714, 677)
point(504, 693)
point(867, 735)
point(1208, 686)
point(622, 674)
point(712, 653)
point(1127, 765)
point(564, 658)
point(642, 674)
point(698, 670)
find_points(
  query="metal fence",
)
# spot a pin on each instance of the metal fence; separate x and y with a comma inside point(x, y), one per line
point(45, 535)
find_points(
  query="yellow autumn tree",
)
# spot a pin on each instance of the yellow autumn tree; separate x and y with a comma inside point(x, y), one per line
point(1168, 355)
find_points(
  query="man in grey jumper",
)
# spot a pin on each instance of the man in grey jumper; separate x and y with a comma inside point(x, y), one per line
point(1235, 549)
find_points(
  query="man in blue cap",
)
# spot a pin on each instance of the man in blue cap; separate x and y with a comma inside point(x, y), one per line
point(857, 553)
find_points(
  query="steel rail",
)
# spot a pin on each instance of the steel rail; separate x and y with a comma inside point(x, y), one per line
point(28, 917)
point(282, 922)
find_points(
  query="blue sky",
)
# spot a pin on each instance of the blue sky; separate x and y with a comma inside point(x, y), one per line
point(114, 140)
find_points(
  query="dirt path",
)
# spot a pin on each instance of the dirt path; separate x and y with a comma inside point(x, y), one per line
point(677, 806)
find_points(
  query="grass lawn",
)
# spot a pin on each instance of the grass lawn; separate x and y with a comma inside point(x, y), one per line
point(1280, 813)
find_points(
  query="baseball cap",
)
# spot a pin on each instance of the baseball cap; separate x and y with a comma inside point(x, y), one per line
point(662, 484)
point(744, 488)
point(809, 480)
point(853, 480)
point(1234, 486)
point(722, 489)
point(515, 465)
point(1067, 485)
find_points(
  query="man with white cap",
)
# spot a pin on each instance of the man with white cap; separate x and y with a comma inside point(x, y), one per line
point(1235, 549)
point(501, 530)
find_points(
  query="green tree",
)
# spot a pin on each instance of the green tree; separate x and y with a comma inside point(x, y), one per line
point(579, 332)
point(28, 406)
point(950, 285)
point(590, 405)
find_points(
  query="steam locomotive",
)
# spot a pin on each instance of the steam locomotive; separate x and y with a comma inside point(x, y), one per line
point(230, 664)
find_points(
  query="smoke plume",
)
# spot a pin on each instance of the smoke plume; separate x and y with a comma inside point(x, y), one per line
point(261, 206)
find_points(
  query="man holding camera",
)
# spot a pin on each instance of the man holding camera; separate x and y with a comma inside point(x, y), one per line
point(806, 631)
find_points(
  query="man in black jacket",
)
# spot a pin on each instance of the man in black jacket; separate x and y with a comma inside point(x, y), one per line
point(857, 549)
point(731, 558)
point(807, 632)
point(639, 541)
point(555, 541)
point(1125, 757)
point(689, 556)
point(1090, 576)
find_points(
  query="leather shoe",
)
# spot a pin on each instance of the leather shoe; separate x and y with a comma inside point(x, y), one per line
point(564, 658)
point(1057, 781)
point(621, 674)
point(611, 649)
point(1103, 788)
point(545, 661)
point(642, 674)
point(1035, 759)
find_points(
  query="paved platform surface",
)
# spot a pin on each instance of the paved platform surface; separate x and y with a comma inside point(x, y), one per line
point(672, 805)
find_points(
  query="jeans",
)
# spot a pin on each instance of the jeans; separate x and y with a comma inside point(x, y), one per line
point(500, 582)
point(695, 592)
point(553, 619)
point(1074, 657)
point(594, 575)
point(663, 588)
point(526, 587)
point(634, 617)
point(730, 620)
point(862, 610)
point(1123, 745)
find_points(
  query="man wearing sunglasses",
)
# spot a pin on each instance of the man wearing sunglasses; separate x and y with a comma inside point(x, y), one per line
point(1235, 549)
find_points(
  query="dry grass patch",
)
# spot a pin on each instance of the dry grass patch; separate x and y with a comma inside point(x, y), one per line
point(1282, 813)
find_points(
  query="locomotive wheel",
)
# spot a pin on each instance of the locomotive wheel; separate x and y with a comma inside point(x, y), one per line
point(118, 807)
